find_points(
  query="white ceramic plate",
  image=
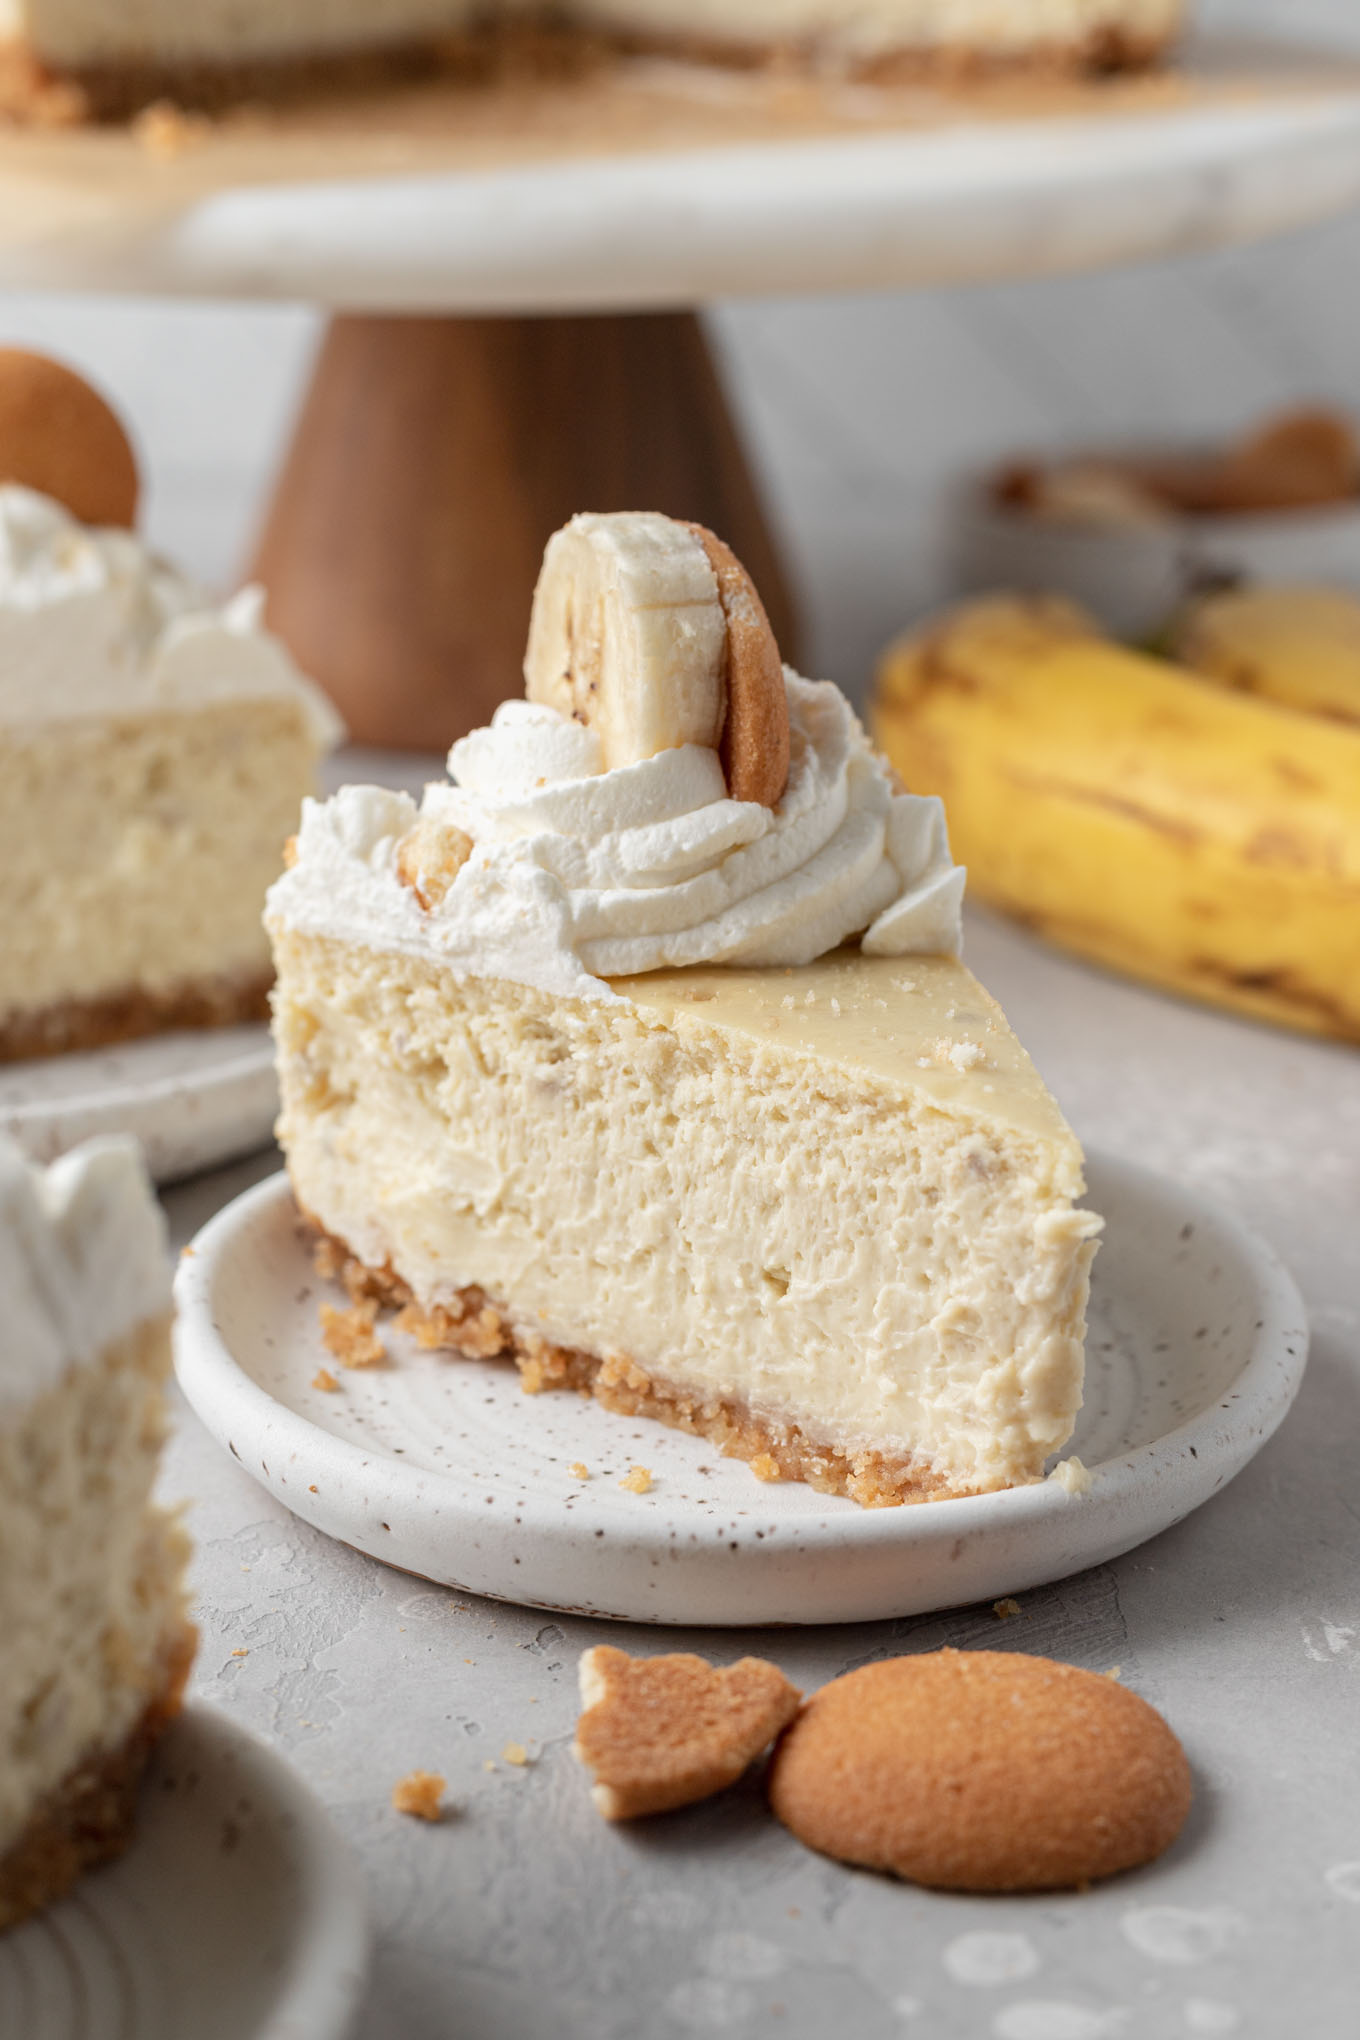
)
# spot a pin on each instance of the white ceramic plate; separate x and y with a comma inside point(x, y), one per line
point(236, 1914)
point(1198, 1341)
point(192, 1099)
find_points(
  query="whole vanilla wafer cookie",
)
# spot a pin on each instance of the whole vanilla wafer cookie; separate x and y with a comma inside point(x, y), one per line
point(59, 437)
point(981, 1771)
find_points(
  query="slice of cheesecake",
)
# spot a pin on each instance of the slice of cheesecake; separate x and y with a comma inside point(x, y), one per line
point(116, 57)
point(823, 1216)
point(96, 1644)
point(576, 1064)
point(154, 750)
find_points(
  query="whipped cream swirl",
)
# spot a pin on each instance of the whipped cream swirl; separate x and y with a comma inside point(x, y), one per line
point(577, 875)
point(93, 623)
point(83, 1258)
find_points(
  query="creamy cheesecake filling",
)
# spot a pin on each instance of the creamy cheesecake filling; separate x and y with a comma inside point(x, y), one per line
point(153, 754)
point(91, 1600)
point(827, 1198)
point(136, 852)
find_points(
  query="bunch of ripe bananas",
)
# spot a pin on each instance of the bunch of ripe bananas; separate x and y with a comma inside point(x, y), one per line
point(1192, 819)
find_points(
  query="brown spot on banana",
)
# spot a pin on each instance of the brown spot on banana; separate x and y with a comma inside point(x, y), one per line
point(1175, 830)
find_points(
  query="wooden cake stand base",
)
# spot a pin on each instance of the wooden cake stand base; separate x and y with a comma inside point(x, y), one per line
point(433, 459)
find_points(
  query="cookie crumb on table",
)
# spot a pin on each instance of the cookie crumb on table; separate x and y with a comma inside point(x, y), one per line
point(579, 1470)
point(1005, 1608)
point(661, 1732)
point(638, 1480)
point(323, 1378)
point(420, 1794)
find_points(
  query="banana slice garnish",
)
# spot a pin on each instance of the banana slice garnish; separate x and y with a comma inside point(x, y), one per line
point(651, 633)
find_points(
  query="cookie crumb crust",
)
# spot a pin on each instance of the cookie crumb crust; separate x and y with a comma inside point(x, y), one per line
point(476, 1328)
point(78, 1024)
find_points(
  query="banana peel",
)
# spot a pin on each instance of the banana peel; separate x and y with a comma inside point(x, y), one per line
point(1199, 829)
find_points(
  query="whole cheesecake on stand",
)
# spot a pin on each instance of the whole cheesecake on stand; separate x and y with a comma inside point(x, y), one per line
point(642, 1054)
point(154, 749)
point(118, 56)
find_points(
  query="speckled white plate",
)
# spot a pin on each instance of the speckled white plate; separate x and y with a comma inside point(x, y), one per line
point(1197, 1345)
point(236, 1914)
point(193, 1099)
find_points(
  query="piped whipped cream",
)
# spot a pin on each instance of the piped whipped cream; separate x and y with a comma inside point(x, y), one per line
point(83, 1259)
point(577, 875)
point(92, 623)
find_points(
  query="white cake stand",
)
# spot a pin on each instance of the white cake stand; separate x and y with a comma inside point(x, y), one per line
point(646, 184)
point(633, 187)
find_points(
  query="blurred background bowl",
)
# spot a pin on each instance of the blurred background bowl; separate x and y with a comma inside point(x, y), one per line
point(1132, 577)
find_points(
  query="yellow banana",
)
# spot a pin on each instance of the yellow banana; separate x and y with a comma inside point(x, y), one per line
point(1200, 837)
point(1297, 646)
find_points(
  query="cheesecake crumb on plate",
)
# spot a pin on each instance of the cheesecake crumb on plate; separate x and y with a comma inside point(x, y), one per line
point(1072, 1475)
point(351, 1335)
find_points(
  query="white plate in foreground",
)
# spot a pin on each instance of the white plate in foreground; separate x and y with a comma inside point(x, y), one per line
point(236, 1914)
point(193, 1099)
point(1197, 1345)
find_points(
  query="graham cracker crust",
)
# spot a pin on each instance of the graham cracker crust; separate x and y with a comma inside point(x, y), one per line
point(90, 1818)
point(476, 1328)
point(34, 95)
point(77, 1024)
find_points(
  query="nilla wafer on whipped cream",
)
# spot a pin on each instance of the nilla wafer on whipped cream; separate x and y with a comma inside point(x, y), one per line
point(981, 1771)
point(60, 438)
point(755, 738)
point(661, 1732)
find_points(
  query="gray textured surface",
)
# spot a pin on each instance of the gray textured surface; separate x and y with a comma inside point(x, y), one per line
point(523, 1914)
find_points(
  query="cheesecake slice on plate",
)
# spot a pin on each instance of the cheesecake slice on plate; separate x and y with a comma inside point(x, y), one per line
point(642, 1053)
point(154, 748)
point(96, 1644)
